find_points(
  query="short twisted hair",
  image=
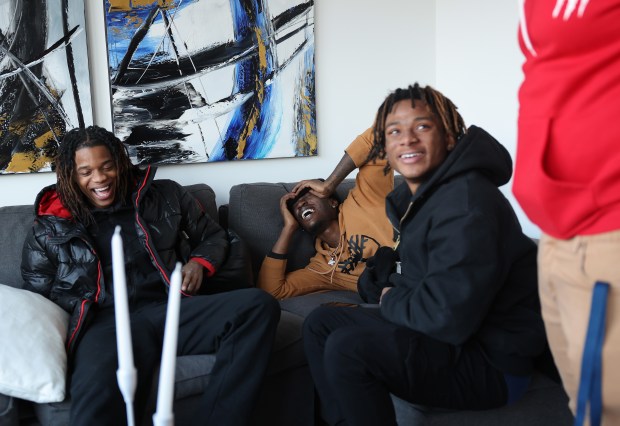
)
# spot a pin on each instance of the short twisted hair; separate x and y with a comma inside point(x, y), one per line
point(438, 104)
point(66, 184)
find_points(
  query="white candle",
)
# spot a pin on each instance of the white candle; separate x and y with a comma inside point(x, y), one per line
point(126, 373)
point(121, 308)
point(165, 391)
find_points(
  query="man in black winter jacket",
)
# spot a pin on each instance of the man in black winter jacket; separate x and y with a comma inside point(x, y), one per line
point(458, 323)
point(67, 258)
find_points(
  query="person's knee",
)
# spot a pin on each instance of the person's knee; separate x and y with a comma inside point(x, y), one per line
point(261, 303)
point(315, 322)
point(97, 376)
point(340, 347)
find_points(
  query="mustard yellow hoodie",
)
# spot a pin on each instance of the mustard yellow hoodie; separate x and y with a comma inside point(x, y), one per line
point(364, 227)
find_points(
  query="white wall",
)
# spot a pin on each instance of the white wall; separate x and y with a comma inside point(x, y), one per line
point(362, 52)
point(364, 49)
point(479, 68)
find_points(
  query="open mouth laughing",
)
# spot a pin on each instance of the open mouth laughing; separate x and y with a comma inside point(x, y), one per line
point(102, 193)
point(410, 155)
point(306, 213)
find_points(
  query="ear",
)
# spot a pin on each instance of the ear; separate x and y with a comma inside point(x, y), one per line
point(451, 143)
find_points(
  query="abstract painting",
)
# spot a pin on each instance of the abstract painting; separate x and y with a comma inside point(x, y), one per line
point(196, 81)
point(44, 80)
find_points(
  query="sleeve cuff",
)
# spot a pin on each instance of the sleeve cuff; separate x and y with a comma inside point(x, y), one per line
point(208, 266)
point(277, 256)
point(359, 149)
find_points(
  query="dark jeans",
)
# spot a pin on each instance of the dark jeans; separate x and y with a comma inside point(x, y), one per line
point(239, 325)
point(357, 358)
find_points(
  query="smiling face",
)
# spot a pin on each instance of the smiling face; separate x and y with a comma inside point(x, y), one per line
point(96, 175)
point(314, 214)
point(415, 141)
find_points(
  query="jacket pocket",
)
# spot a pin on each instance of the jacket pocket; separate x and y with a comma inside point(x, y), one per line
point(557, 206)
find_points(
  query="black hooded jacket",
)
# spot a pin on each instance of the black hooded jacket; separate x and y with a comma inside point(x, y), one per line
point(468, 273)
point(60, 261)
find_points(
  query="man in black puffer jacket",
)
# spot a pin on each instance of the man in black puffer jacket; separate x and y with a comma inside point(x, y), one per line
point(67, 258)
point(459, 324)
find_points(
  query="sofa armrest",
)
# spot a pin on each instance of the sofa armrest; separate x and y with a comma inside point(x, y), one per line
point(222, 214)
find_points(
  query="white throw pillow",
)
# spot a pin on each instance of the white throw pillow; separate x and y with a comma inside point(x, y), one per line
point(33, 358)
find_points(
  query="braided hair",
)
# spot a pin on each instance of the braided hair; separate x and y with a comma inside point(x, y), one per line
point(436, 102)
point(66, 184)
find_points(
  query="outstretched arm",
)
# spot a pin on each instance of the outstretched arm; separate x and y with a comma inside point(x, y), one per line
point(323, 189)
point(355, 156)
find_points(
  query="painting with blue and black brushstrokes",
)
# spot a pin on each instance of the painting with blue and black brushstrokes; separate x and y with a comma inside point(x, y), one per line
point(212, 80)
point(44, 81)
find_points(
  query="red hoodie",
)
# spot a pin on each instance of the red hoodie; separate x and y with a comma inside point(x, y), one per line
point(567, 176)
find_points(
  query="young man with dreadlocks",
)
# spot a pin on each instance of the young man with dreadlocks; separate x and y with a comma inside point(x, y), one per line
point(458, 325)
point(67, 258)
point(346, 234)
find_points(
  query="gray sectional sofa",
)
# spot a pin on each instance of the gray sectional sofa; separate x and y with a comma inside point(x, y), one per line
point(288, 396)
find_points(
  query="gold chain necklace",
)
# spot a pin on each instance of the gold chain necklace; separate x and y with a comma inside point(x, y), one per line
point(332, 256)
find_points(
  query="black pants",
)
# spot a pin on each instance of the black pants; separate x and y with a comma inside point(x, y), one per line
point(357, 358)
point(239, 325)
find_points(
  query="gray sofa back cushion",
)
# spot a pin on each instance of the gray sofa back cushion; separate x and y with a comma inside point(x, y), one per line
point(254, 214)
point(205, 196)
point(16, 222)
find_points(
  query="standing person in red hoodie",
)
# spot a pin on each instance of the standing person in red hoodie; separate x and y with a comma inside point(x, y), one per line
point(568, 174)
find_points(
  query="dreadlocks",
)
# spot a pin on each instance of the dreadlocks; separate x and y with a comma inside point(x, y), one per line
point(66, 185)
point(437, 103)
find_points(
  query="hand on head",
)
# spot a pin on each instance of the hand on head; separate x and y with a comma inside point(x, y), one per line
point(287, 216)
point(317, 187)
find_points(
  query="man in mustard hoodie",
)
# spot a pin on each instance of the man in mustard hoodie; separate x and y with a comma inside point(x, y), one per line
point(346, 233)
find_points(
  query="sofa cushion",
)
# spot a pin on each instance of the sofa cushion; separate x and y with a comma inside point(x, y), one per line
point(545, 403)
point(16, 223)
point(33, 361)
point(303, 305)
point(254, 214)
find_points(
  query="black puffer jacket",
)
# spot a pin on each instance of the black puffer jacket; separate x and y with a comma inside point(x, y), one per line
point(467, 270)
point(60, 261)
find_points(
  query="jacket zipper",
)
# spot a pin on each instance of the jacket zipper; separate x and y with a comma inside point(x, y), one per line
point(400, 224)
point(97, 294)
point(144, 230)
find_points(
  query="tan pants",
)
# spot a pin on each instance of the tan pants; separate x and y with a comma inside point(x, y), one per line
point(568, 270)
